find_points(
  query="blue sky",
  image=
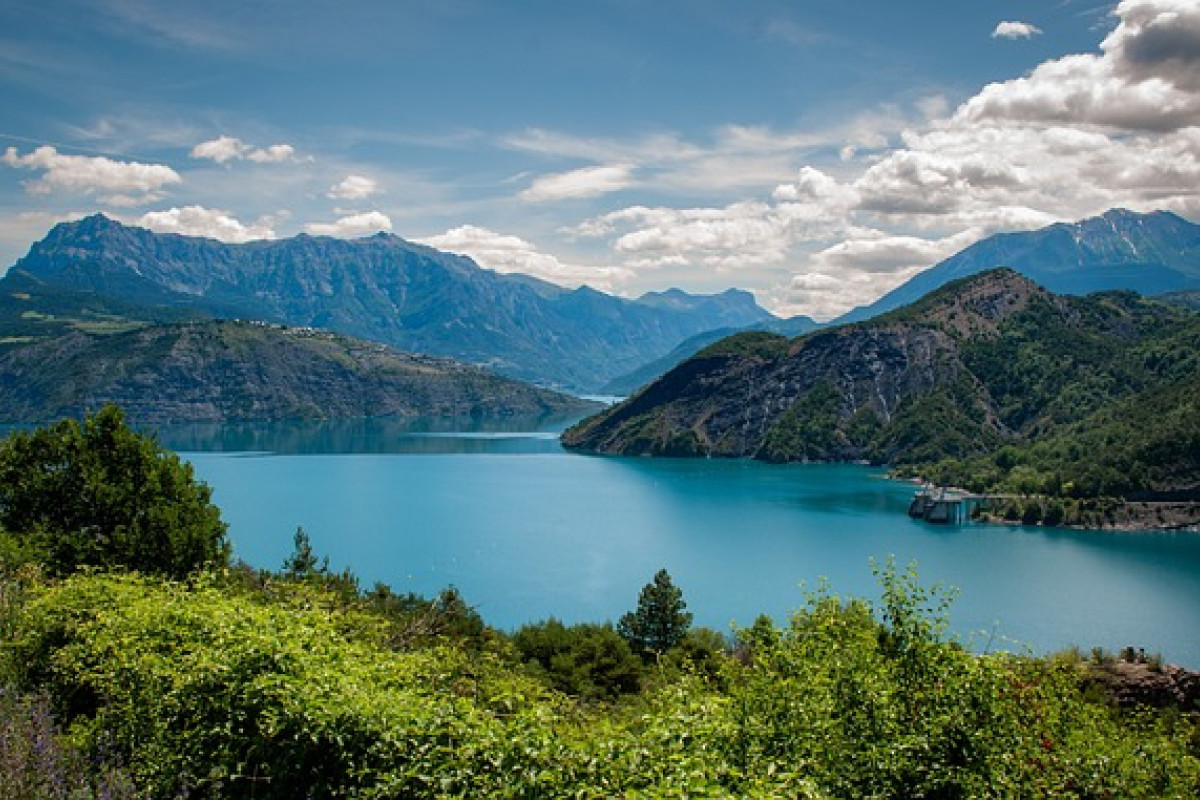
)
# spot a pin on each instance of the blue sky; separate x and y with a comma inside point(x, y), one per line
point(815, 152)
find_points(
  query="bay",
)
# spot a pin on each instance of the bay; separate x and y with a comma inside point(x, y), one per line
point(526, 530)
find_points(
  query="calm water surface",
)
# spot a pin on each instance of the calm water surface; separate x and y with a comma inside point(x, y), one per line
point(526, 530)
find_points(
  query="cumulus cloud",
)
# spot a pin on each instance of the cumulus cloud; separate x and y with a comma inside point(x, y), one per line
point(116, 182)
point(1145, 78)
point(858, 270)
point(224, 149)
point(507, 253)
point(584, 182)
point(208, 222)
point(274, 154)
point(737, 236)
point(353, 187)
point(352, 225)
point(814, 186)
point(1015, 30)
point(723, 238)
point(876, 252)
point(220, 150)
point(1158, 39)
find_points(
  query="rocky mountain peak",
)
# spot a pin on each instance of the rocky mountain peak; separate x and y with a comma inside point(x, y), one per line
point(977, 305)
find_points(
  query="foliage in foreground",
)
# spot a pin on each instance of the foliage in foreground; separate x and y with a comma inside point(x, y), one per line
point(100, 494)
point(211, 689)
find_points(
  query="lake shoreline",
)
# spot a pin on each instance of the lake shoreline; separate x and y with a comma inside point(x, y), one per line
point(1111, 515)
point(1128, 517)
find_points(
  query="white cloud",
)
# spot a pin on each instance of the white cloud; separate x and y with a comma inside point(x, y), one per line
point(507, 253)
point(578, 183)
point(1147, 77)
point(122, 182)
point(1157, 39)
point(208, 222)
point(725, 238)
point(220, 150)
point(352, 225)
point(735, 157)
point(814, 186)
point(353, 187)
point(734, 237)
point(1015, 30)
point(274, 154)
point(224, 149)
point(858, 270)
point(657, 148)
point(876, 252)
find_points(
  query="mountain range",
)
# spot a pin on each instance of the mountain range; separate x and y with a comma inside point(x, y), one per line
point(387, 290)
point(97, 278)
point(1151, 254)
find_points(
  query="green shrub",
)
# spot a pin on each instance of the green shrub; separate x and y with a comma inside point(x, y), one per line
point(588, 661)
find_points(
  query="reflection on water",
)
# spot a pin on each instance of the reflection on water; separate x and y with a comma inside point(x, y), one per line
point(516, 434)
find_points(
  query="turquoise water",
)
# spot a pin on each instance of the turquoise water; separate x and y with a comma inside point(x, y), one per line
point(526, 530)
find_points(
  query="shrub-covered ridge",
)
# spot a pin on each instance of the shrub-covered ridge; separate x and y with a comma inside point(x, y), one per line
point(216, 688)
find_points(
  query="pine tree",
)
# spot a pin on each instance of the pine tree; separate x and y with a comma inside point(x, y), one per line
point(660, 621)
point(303, 562)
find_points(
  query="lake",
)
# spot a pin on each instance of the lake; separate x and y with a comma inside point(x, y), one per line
point(526, 530)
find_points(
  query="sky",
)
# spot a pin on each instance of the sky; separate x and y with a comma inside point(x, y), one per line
point(815, 152)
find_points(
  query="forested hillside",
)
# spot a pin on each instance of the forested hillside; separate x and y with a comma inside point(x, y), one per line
point(991, 369)
point(235, 371)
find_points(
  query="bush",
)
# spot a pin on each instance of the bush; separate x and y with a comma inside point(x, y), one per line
point(587, 661)
point(209, 695)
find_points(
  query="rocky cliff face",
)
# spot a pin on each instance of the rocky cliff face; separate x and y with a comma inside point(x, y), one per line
point(227, 371)
point(803, 402)
point(385, 289)
point(976, 363)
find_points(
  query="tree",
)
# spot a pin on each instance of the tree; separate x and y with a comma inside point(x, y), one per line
point(660, 621)
point(100, 494)
point(303, 562)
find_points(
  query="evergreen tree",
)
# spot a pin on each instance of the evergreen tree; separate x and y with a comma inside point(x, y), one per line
point(660, 621)
point(303, 562)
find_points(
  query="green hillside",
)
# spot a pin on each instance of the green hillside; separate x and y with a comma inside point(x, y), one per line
point(227, 371)
point(988, 370)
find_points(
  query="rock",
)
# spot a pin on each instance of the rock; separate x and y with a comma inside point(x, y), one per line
point(1133, 683)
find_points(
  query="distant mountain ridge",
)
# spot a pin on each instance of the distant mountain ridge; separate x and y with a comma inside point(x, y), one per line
point(386, 289)
point(227, 371)
point(630, 382)
point(1151, 253)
